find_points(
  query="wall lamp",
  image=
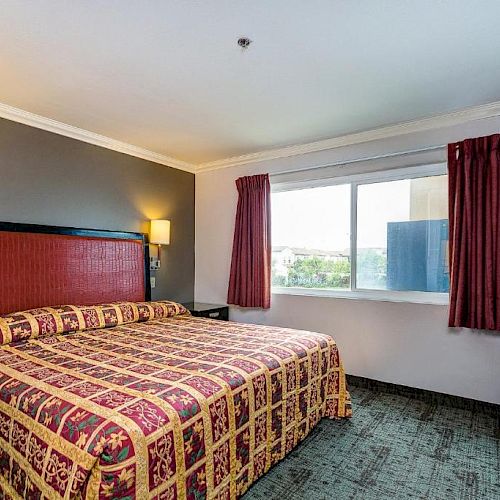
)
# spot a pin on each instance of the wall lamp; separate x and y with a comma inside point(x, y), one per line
point(159, 234)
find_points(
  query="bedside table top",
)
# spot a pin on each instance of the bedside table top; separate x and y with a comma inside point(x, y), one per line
point(202, 306)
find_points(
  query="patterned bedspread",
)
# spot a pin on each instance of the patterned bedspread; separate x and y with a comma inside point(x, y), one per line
point(170, 408)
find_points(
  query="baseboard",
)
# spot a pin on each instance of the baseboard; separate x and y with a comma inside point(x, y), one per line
point(424, 395)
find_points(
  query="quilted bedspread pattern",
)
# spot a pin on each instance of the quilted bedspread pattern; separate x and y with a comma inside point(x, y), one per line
point(170, 408)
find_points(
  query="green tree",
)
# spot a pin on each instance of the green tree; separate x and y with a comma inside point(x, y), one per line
point(314, 272)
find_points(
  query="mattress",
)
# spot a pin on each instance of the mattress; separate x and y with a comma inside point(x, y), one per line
point(141, 400)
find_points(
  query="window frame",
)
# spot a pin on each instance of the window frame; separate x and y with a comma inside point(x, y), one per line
point(355, 180)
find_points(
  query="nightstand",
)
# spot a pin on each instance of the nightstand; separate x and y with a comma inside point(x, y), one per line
point(212, 311)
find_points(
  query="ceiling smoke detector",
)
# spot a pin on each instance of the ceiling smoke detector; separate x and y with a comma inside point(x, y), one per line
point(244, 42)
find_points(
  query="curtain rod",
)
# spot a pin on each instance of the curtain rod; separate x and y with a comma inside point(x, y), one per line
point(359, 160)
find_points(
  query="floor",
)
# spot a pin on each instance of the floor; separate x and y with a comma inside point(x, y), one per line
point(394, 447)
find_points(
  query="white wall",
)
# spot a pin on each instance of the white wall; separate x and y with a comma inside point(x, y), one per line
point(402, 343)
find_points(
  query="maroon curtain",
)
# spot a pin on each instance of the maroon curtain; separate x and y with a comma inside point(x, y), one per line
point(250, 279)
point(474, 202)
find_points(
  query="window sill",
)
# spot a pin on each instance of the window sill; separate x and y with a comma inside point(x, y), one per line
point(432, 298)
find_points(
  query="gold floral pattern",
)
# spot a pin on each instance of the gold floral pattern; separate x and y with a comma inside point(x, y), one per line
point(52, 321)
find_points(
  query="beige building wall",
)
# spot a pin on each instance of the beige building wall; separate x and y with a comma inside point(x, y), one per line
point(429, 198)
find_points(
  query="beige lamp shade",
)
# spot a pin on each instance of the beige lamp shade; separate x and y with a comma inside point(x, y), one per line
point(159, 233)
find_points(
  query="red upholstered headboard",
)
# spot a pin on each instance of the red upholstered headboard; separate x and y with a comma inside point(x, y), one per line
point(51, 265)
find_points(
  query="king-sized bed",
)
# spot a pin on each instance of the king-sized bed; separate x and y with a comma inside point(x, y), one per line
point(138, 399)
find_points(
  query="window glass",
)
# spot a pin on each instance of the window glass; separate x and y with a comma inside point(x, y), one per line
point(402, 235)
point(311, 237)
point(401, 229)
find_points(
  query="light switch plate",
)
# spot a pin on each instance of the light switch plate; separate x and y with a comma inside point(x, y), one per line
point(153, 282)
point(154, 264)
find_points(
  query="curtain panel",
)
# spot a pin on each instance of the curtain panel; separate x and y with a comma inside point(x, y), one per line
point(250, 277)
point(474, 202)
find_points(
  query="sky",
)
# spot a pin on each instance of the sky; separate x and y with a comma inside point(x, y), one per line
point(296, 223)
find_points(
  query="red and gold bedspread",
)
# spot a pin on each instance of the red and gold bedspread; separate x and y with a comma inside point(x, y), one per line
point(170, 408)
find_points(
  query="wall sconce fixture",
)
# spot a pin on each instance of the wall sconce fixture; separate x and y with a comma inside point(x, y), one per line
point(159, 234)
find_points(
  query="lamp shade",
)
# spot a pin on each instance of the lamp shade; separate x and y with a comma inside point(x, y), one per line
point(159, 233)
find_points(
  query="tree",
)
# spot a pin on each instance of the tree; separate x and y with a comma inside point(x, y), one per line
point(314, 272)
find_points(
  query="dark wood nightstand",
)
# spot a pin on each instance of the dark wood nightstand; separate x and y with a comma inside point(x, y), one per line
point(212, 311)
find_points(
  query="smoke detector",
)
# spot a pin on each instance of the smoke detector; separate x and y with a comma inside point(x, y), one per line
point(244, 42)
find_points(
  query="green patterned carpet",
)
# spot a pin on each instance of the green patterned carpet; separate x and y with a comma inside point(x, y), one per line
point(394, 447)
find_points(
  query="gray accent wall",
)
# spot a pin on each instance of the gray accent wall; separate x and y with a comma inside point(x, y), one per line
point(49, 179)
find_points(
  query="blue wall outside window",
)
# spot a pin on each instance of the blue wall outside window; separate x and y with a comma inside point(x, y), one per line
point(417, 256)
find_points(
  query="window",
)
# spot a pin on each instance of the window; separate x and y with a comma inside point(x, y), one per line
point(377, 235)
point(310, 251)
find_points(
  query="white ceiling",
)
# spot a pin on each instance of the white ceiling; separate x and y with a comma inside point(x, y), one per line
point(169, 77)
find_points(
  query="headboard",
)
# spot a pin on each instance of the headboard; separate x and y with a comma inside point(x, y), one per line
point(51, 265)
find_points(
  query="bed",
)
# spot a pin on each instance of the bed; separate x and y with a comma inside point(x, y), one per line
point(138, 399)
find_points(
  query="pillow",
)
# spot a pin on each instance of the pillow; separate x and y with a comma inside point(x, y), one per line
point(46, 321)
point(120, 313)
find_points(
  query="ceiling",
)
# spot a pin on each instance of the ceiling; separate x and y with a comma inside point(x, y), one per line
point(168, 76)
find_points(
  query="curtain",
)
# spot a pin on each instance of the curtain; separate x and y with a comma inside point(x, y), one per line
point(250, 278)
point(474, 202)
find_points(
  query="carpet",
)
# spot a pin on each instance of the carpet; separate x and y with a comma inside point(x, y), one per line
point(395, 446)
